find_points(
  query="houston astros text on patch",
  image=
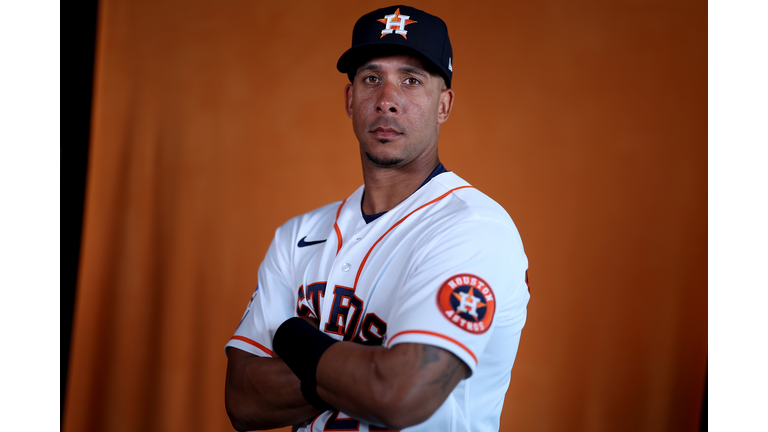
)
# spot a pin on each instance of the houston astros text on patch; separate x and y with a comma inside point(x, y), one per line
point(399, 307)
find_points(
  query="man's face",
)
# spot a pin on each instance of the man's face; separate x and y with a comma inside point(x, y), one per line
point(396, 108)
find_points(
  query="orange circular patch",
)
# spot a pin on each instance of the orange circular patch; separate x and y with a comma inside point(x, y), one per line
point(468, 302)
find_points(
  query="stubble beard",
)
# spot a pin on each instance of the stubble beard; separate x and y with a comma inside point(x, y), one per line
point(384, 162)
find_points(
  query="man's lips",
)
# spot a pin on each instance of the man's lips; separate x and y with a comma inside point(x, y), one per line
point(385, 133)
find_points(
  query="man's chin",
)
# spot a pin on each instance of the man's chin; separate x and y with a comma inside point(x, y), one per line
point(384, 162)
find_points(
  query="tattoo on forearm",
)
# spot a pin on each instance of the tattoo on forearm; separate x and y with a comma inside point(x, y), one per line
point(446, 375)
point(430, 354)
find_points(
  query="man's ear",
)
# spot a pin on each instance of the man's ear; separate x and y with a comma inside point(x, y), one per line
point(348, 99)
point(446, 104)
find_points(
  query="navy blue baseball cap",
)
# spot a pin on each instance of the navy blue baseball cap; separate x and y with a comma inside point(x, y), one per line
point(399, 30)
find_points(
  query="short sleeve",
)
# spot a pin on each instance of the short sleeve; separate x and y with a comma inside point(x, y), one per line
point(461, 287)
point(272, 302)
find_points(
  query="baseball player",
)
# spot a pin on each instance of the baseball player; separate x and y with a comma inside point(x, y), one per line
point(401, 306)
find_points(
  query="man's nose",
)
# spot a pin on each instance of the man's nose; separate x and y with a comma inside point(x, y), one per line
point(389, 99)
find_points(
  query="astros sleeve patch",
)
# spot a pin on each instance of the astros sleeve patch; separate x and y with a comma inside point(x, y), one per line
point(468, 302)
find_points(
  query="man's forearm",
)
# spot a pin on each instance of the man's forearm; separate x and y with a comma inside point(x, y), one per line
point(396, 387)
point(263, 393)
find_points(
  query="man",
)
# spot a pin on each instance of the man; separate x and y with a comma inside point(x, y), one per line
point(401, 306)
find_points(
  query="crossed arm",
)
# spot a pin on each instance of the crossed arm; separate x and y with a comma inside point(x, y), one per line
point(397, 387)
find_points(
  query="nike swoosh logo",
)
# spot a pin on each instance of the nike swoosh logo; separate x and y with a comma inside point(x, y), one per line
point(303, 243)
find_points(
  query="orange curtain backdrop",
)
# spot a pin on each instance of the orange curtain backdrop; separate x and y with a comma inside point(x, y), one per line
point(214, 122)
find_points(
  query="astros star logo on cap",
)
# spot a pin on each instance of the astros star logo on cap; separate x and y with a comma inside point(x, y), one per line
point(395, 20)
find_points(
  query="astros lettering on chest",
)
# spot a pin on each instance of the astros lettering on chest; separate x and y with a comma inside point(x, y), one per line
point(352, 289)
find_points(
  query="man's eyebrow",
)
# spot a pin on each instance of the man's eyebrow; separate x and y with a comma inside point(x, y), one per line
point(403, 69)
point(413, 70)
point(369, 66)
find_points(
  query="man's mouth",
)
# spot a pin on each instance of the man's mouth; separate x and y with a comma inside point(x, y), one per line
point(383, 132)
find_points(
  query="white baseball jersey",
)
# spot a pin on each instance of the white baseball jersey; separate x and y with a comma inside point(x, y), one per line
point(446, 267)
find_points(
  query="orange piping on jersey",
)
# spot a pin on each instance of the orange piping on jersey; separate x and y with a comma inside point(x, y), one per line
point(312, 426)
point(434, 334)
point(336, 226)
point(254, 343)
point(360, 270)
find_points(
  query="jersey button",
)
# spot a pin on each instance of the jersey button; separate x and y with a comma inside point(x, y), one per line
point(346, 267)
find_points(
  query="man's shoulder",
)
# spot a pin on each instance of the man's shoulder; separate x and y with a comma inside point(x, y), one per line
point(449, 208)
point(469, 202)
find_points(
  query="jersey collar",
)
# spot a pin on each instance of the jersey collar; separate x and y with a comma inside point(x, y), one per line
point(439, 169)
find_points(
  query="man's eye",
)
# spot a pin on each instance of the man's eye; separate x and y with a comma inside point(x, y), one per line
point(370, 79)
point(412, 81)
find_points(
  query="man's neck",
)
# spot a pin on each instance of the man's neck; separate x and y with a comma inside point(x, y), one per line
point(385, 188)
